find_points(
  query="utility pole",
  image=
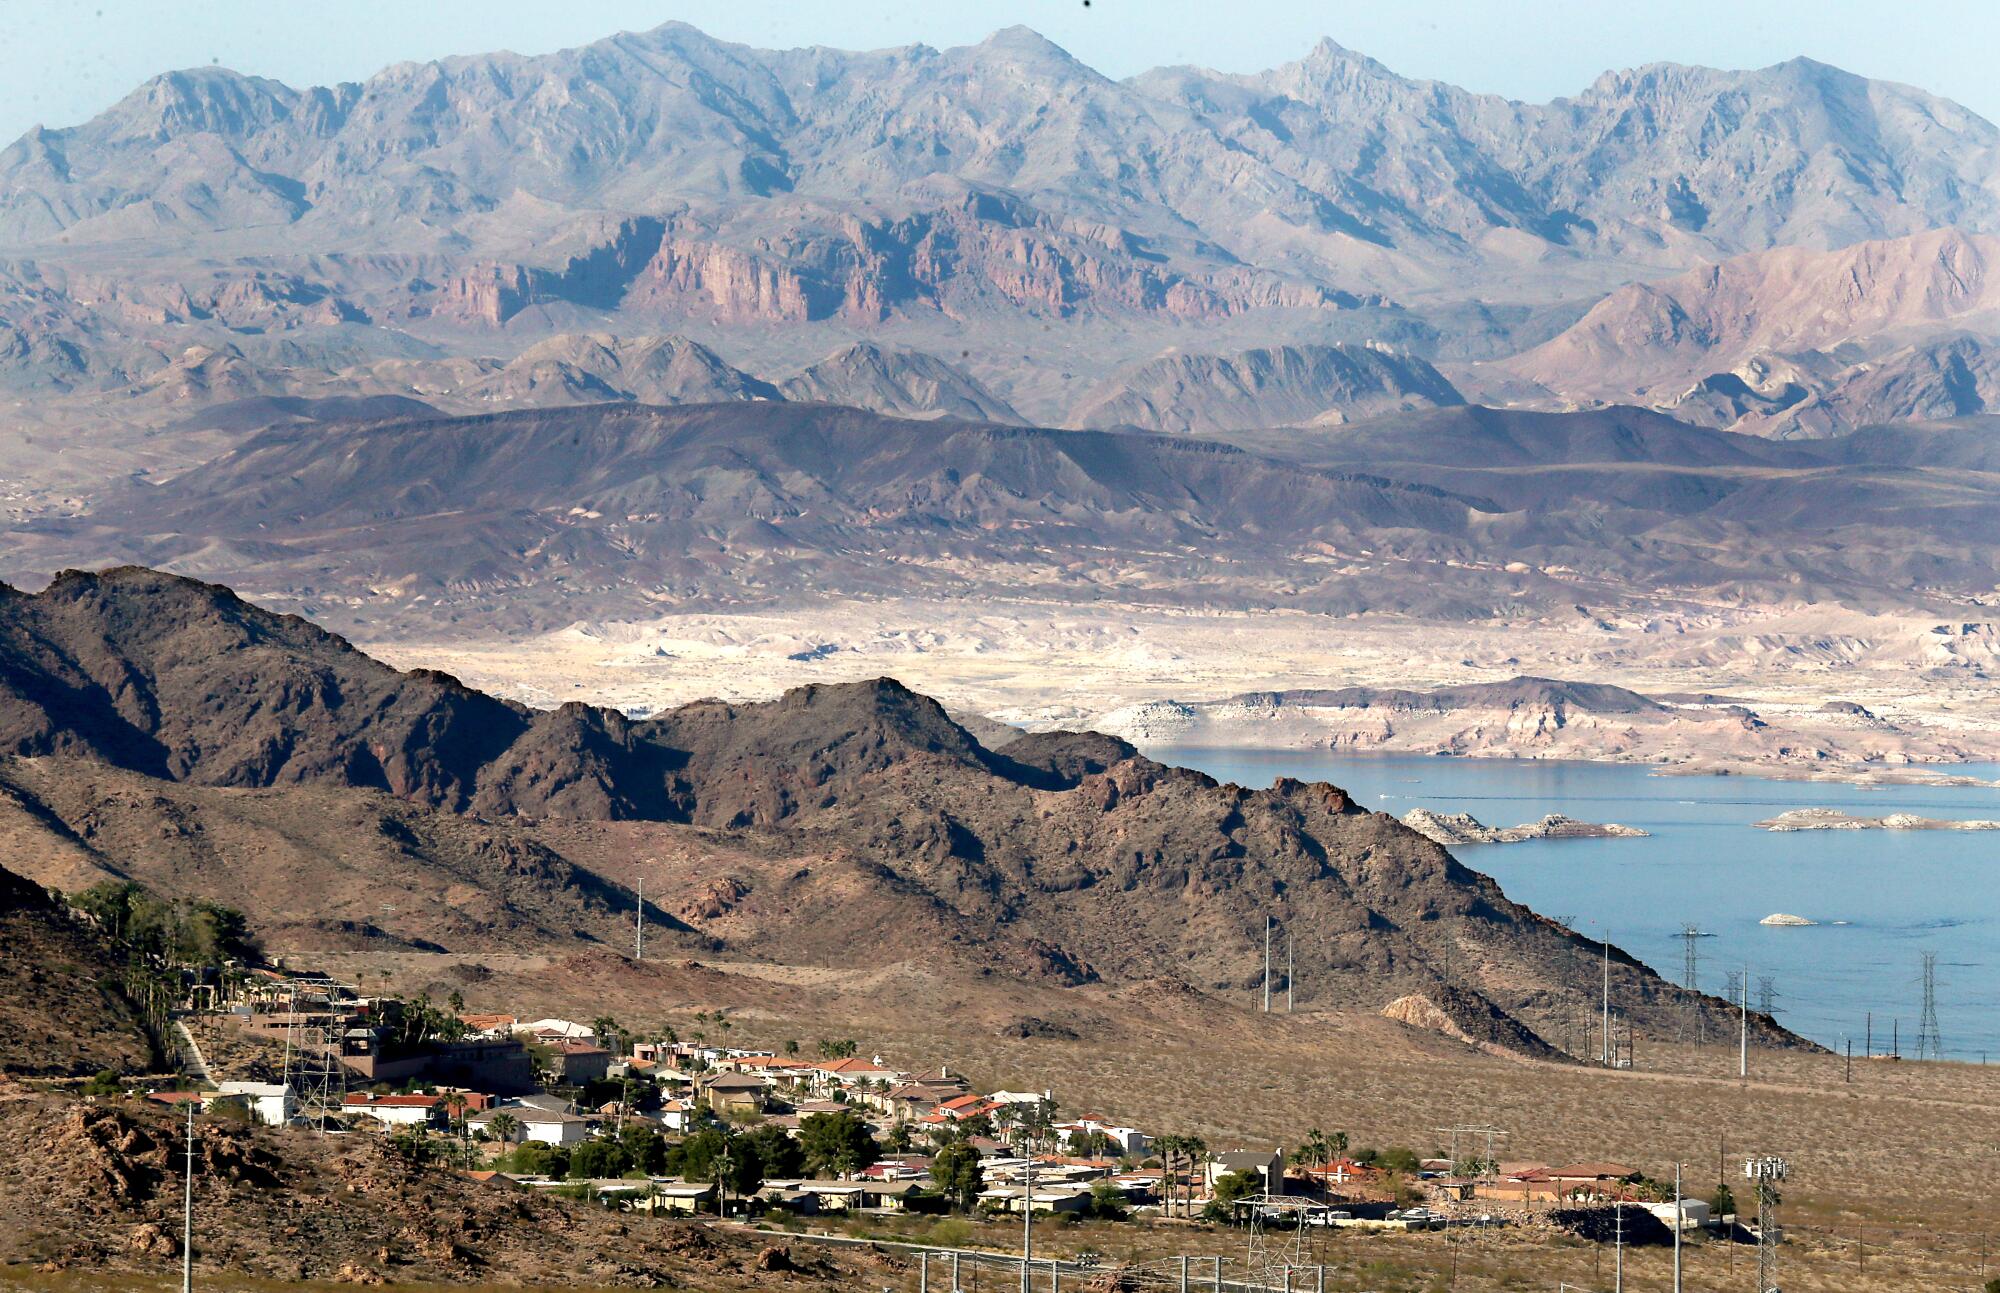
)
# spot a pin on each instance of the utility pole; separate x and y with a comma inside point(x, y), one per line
point(1267, 965)
point(1618, 1247)
point(1288, 969)
point(1607, 999)
point(187, 1208)
point(1028, 1208)
point(1678, 1214)
point(1743, 1042)
point(639, 925)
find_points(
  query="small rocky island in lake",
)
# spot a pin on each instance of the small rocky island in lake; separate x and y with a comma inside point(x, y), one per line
point(1787, 920)
point(1833, 819)
point(1464, 828)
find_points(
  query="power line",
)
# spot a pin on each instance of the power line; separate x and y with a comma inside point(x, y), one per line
point(1767, 995)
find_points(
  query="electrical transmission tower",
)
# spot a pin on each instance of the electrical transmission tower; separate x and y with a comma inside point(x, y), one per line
point(1273, 1259)
point(1929, 1044)
point(316, 1069)
point(1690, 937)
point(1767, 995)
point(1766, 1173)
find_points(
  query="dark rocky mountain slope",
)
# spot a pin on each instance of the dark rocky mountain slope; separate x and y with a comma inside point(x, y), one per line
point(148, 722)
point(539, 518)
point(62, 1010)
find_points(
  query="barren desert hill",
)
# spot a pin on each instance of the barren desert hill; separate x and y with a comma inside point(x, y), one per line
point(64, 1011)
point(167, 731)
point(535, 519)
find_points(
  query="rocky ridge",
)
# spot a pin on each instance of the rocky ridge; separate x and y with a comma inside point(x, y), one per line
point(863, 803)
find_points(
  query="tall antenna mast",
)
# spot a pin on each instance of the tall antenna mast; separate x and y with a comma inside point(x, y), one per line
point(1288, 969)
point(639, 925)
point(1765, 1172)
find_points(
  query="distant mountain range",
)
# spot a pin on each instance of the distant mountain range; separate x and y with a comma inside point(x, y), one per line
point(1033, 241)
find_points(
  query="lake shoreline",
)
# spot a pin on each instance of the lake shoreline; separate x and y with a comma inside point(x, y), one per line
point(1879, 898)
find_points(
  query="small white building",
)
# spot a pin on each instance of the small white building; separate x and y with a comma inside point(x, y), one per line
point(544, 1125)
point(271, 1103)
point(1124, 1140)
point(1694, 1213)
point(556, 1027)
point(395, 1110)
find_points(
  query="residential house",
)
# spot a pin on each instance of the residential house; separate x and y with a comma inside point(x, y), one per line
point(737, 1093)
point(1010, 1198)
point(963, 1108)
point(573, 1062)
point(1267, 1166)
point(488, 1027)
point(1027, 1098)
point(1587, 1180)
point(396, 1110)
point(678, 1196)
point(897, 1167)
point(1124, 1141)
point(548, 1126)
point(270, 1103)
point(828, 1075)
point(501, 1065)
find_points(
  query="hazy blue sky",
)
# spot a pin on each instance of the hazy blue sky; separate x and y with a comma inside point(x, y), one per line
point(61, 61)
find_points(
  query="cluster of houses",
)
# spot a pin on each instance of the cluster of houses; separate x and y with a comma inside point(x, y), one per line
point(494, 1081)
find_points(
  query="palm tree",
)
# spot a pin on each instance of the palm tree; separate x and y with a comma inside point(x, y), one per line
point(606, 1029)
point(1169, 1146)
point(1313, 1153)
point(1196, 1150)
point(503, 1127)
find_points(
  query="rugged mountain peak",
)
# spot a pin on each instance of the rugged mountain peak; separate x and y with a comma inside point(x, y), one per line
point(1273, 386)
point(906, 383)
point(211, 100)
point(1023, 44)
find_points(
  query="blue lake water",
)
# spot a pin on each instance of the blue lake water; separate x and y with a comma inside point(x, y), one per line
point(1902, 893)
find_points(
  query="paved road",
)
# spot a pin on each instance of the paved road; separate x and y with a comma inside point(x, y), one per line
point(193, 1062)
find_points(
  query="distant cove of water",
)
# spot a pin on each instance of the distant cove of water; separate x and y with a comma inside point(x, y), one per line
point(1902, 893)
